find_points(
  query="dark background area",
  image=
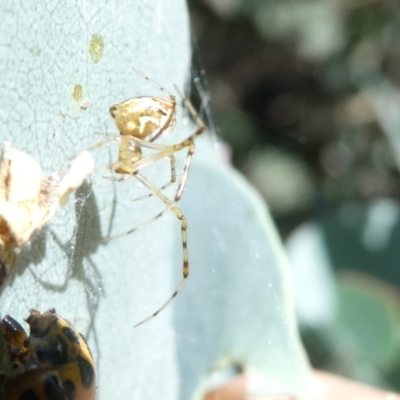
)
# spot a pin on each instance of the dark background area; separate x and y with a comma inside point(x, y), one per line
point(295, 89)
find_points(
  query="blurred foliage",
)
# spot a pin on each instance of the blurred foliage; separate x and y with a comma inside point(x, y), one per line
point(288, 84)
point(275, 85)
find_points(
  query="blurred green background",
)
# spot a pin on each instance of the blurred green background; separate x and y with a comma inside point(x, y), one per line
point(305, 94)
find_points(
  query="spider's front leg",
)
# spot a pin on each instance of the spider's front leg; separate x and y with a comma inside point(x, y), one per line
point(104, 143)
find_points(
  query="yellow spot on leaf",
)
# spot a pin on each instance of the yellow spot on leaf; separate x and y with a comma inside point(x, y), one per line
point(96, 46)
point(77, 92)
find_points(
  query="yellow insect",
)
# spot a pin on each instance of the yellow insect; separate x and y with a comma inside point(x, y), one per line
point(54, 362)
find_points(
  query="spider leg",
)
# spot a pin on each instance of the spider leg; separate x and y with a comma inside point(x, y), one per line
point(143, 162)
point(182, 181)
point(172, 179)
point(115, 179)
point(114, 139)
point(201, 126)
point(178, 289)
point(133, 167)
point(170, 206)
point(136, 228)
point(178, 194)
point(188, 162)
point(150, 145)
point(182, 218)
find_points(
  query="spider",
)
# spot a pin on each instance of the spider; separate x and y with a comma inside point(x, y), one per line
point(141, 121)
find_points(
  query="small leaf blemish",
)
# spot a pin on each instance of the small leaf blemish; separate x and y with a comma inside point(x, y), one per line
point(96, 46)
point(77, 92)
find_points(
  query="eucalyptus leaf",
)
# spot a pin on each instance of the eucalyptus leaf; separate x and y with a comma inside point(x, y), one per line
point(64, 65)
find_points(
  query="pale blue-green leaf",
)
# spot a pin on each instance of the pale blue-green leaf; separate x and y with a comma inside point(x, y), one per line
point(236, 306)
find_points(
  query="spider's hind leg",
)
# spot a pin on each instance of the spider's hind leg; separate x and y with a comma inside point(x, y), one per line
point(178, 213)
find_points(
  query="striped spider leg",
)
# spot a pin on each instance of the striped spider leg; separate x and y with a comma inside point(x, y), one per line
point(141, 121)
